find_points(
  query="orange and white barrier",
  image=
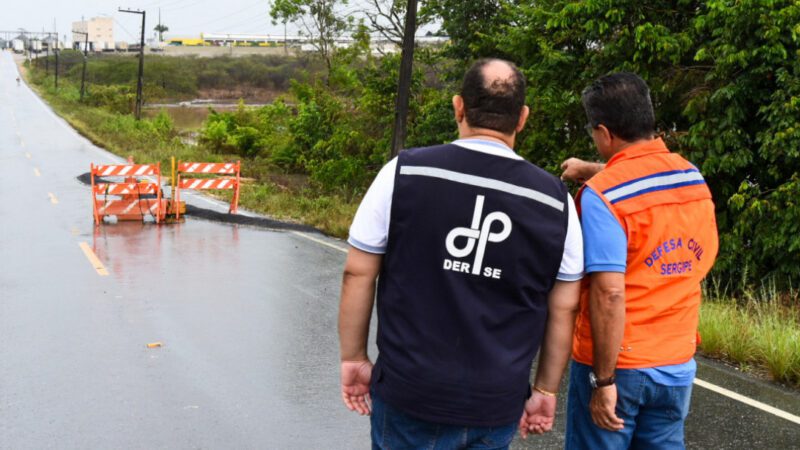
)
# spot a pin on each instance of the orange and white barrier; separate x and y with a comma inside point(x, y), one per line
point(124, 199)
point(226, 183)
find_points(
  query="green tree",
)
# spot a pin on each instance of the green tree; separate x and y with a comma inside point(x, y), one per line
point(468, 24)
point(319, 20)
point(725, 80)
point(387, 17)
point(745, 131)
point(161, 29)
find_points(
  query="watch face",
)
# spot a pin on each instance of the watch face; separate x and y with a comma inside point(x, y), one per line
point(592, 379)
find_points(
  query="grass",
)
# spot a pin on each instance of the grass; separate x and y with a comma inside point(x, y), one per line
point(330, 214)
point(758, 334)
point(186, 77)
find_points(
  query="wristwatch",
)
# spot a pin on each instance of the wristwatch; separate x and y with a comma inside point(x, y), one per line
point(597, 382)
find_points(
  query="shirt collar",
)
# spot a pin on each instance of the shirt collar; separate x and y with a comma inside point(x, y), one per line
point(656, 145)
point(490, 147)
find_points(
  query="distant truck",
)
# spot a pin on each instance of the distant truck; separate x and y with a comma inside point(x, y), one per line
point(18, 46)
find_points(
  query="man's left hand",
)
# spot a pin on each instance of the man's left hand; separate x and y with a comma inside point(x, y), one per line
point(355, 385)
point(538, 415)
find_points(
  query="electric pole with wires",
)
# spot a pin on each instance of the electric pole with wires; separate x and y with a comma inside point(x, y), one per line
point(139, 82)
point(404, 84)
point(85, 58)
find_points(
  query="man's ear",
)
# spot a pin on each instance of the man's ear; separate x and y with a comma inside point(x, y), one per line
point(458, 108)
point(523, 117)
point(604, 136)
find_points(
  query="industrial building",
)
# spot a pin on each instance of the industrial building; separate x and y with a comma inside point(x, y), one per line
point(101, 34)
point(378, 43)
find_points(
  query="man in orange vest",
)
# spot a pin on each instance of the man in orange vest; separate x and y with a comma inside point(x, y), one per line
point(650, 238)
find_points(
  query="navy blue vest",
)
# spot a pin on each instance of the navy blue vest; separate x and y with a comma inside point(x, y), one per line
point(475, 244)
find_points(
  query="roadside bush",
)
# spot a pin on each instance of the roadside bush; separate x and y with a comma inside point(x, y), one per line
point(215, 131)
point(250, 132)
point(435, 123)
point(114, 98)
point(339, 163)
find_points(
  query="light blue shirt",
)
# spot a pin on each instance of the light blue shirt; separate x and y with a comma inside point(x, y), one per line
point(606, 250)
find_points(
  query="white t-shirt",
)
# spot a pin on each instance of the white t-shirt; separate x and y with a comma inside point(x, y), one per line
point(369, 231)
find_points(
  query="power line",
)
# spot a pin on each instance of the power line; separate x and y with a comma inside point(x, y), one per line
point(124, 29)
point(250, 21)
point(260, 27)
point(162, 4)
point(179, 7)
point(217, 19)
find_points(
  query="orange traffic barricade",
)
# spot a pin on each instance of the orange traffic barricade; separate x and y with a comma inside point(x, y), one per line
point(134, 197)
point(216, 183)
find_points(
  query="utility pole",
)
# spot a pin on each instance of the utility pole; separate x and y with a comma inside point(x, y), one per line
point(57, 51)
point(138, 111)
point(85, 58)
point(404, 84)
point(54, 42)
point(47, 59)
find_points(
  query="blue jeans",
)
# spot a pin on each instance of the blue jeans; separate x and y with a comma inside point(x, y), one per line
point(654, 414)
point(393, 429)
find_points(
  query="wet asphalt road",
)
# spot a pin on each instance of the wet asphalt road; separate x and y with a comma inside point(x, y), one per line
point(247, 317)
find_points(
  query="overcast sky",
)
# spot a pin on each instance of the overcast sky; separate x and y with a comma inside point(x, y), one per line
point(185, 18)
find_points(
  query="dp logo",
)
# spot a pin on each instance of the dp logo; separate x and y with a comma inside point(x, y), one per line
point(478, 235)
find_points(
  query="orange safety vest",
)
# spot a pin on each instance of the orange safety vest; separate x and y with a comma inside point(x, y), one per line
point(664, 206)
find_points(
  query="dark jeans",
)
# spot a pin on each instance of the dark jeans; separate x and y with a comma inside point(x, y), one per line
point(393, 430)
point(653, 413)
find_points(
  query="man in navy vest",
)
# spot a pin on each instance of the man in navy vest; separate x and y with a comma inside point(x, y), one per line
point(475, 255)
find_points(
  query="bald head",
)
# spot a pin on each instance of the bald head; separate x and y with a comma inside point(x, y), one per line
point(498, 75)
point(494, 95)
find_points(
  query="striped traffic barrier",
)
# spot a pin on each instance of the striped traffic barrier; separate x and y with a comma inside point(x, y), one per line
point(217, 183)
point(130, 198)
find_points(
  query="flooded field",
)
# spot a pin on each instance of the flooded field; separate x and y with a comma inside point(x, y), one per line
point(185, 119)
point(189, 117)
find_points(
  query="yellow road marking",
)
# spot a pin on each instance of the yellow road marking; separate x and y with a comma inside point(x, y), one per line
point(53, 198)
point(36, 172)
point(93, 259)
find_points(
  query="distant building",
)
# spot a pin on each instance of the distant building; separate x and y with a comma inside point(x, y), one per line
point(378, 44)
point(101, 34)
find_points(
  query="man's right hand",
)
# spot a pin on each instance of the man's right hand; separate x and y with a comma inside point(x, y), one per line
point(578, 170)
point(603, 408)
point(355, 385)
point(538, 415)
